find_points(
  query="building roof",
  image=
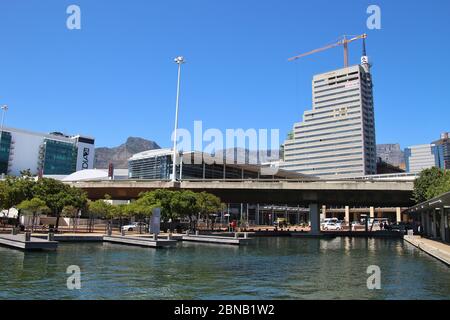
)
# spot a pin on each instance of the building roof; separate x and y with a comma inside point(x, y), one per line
point(441, 201)
point(265, 169)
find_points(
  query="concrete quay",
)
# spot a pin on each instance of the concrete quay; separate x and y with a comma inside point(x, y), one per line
point(435, 249)
point(216, 239)
point(140, 241)
point(19, 241)
point(73, 237)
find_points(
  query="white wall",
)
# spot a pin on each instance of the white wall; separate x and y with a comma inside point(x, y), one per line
point(25, 152)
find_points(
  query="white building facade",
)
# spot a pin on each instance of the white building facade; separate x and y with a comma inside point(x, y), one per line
point(44, 154)
point(336, 139)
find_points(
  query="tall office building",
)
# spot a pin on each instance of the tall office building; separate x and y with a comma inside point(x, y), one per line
point(47, 154)
point(422, 157)
point(336, 139)
point(444, 147)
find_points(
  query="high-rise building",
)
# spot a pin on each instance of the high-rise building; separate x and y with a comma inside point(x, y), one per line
point(422, 157)
point(444, 146)
point(46, 154)
point(336, 139)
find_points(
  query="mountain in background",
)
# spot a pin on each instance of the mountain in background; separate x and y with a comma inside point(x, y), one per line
point(119, 155)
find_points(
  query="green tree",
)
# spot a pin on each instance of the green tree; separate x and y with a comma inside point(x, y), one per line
point(14, 190)
point(162, 199)
point(120, 212)
point(72, 213)
point(100, 208)
point(184, 204)
point(424, 184)
point(208, 204)
point(440, 187)
point(57, 195)
point(34, 207)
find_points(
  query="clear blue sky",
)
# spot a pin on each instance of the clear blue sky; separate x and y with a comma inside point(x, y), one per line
point(116, 78)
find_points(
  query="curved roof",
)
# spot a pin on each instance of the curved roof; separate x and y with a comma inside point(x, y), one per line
point(88, 174)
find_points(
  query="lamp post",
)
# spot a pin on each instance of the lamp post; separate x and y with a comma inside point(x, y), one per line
point(178, 60)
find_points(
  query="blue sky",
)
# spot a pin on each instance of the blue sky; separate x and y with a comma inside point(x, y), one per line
point(116, 78)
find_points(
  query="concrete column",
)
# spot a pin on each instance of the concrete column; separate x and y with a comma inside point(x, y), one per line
point(442, 211)
point(242, 213)
point(257, 214)
point(422, 222)
point(314, 217)
point(347, 214)
point(324, 213)
point(433, 225)
point(399, 214)
point(428, 223)
point(372, 212)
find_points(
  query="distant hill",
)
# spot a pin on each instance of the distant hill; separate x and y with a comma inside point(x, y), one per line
point(119, 155)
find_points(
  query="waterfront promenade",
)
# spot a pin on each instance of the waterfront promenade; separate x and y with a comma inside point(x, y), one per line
point(439, 250)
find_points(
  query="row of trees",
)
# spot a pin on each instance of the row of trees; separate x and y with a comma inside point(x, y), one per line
point(48, 196)
point(173, 204)
point(431, 183)
point(34, 197)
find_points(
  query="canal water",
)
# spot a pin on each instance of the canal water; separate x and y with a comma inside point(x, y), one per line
point(269, 268)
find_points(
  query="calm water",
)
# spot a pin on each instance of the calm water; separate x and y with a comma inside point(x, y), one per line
point(270, 268)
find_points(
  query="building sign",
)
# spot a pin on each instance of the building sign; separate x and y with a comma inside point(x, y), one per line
point(85, 163)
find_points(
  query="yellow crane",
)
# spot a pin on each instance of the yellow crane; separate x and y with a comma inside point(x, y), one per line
point(342, 42)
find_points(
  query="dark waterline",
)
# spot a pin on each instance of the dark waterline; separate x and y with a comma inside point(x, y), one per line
point(270, 268)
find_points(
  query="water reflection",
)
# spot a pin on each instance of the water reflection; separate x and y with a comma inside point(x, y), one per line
point(269, 268)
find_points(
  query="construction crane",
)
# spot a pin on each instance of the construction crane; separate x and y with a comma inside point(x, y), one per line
point(343, 42)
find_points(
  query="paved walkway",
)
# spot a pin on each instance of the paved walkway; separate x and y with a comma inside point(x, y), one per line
point(436, 249)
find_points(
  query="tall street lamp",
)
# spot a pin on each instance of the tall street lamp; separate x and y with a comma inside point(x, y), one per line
point(178, 60)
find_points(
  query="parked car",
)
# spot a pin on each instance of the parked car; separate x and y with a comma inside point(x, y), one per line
point(135, 226)
point(332, 226)
point(328, 220)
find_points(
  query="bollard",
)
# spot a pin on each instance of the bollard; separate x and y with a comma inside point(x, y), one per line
point(236, 235)
point(155, 237)
point(169, 236)
point(246, 235)
point(51, 236)
point(27, 236)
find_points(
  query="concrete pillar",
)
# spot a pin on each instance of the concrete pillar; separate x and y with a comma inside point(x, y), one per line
point(428, 223)
point(257, 214)
point(347, 214)
point(314, 217)
point(372, 212)
point(399, 214)
point(433, 225)
point(324, 213)
point(422, 222)
point(442, 211)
